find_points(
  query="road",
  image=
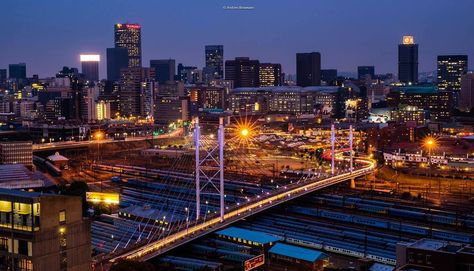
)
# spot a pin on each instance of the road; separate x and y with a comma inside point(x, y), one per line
point(188, 233)
point(78, 144)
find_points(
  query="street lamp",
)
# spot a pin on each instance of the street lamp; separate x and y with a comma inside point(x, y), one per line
point(430, 143)
point(244, 132)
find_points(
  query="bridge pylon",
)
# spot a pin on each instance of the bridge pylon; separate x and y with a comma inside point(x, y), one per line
point(215, 157)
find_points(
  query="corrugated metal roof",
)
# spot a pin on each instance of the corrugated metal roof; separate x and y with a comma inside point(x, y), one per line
point(301, 253)
point(254, 236)
point(381, 267)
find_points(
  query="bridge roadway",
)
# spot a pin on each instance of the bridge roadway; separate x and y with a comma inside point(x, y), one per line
point(188, 233)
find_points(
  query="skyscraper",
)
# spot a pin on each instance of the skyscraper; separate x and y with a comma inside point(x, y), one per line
point(17, 71)
point(117, 59)
point(129, 36)
point(466, 96)
point(364, 71)
point(214, 61)
point(165, 69)
point(408, 60)
point(243, 71)
point(3, 77)
point(90, 67)
point(308, 69)
point(450, 70)
point(131, 80)
point(270, 74)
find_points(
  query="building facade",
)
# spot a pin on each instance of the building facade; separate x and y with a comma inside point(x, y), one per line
point(214, 57)
point(117, 59)
point(270, 75)
point(438, 104)
point(165, 69)
point(408, 60)
point(466, 95)
point(16, 152)
point(129, 36)
point(131, 81)
point(450, 70)
point(90, 67)
point(17, 71)
point(364, 71)
point(308, 69)
point(41, 232)
point(243, 71)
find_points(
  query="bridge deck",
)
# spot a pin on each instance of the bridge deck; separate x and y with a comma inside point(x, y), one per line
point(184, 235)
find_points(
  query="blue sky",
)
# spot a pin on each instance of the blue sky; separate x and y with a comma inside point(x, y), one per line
point(48, 34)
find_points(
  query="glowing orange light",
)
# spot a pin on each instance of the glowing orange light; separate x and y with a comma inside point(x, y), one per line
point(244, 132)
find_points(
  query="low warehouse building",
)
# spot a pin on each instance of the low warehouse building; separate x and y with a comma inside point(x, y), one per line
point(305, 258)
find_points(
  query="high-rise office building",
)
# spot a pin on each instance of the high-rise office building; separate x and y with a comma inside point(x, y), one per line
point(243, 71)
point(308, 69)
point(364, 71)
point(117, 59)
point(450, 70)
point(270, 74)
point(130, 92)
point(214, 55)
point(129, 36)
point(408, 60)
point(17, 71)
point(3, 77)
point(90, 67)
point(165, 69)
point(466, 96)
point(43, 232)
point(329, 76)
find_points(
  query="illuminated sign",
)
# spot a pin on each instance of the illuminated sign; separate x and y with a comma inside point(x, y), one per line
point(87, 58)
point(133, 26)
point(254, 262)
point(128, 26)
point(99, 197)
point(408, 40)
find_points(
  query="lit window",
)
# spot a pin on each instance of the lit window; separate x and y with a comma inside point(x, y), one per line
point(62, 216)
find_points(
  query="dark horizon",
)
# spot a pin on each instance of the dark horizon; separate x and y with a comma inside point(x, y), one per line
point(346, 33)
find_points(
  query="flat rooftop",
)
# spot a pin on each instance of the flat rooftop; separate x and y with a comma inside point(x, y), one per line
point(429, 244)
point(295, 252)
point(249, 235)
point(17, 176)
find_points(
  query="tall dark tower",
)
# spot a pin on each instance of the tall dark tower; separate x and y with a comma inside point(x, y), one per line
point(308, 69)
point(215, 60)
point(117, 59)
point(90, 67)
point(408, 60)
point(129, 36)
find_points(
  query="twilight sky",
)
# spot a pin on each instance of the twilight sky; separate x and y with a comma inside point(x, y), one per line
point(49, 34)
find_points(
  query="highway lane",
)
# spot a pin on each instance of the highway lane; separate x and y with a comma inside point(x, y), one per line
point(77, 144)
